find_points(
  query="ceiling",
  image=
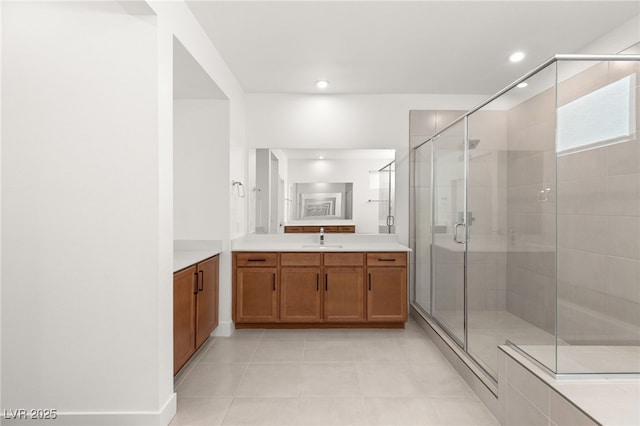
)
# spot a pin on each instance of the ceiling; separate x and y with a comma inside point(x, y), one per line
point(434, 47)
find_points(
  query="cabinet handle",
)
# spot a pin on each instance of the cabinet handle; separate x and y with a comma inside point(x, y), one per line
point(317, 282)
point(369, 282)
point(274, 282)
point(195, 291)
point(326, 282)
point(381, 259)
point(257, 260)
point(201, 288)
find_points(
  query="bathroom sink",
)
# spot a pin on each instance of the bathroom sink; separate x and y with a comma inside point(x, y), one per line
point(318, 246)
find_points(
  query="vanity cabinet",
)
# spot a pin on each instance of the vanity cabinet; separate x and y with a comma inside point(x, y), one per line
point(319, 289)
point(207, 299)
point(386, 287)
point(344, 287)
point(300, 287)
point(256, 287)
point(184, 314)
point(195, 308)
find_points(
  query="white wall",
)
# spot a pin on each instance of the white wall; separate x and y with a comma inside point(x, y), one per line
point(201, 169)
point(87, 205)
point(346, 121)
point(82, 277)
point(365, 214)
point(176, 19)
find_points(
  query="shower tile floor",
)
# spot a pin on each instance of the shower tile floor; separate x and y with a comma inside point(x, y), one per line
point(325, 377)
point(488, 329)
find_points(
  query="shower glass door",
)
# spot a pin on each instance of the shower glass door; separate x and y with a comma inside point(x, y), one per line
point(449, 230)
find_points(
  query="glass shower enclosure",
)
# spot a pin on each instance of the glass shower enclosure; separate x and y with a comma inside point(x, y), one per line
point(526, 220)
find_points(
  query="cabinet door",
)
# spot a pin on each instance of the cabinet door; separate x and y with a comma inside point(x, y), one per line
point(256, 294)
point(387, 294)
point(300, 295)
point(344, 295)
point(184, 314)
point(207, 300)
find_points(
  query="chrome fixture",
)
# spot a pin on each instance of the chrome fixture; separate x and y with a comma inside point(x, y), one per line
point(321, 236)
point(239, 188)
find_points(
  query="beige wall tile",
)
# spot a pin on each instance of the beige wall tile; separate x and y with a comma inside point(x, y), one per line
point(624, 238)
point(624, 278)
point(583, 83)
point(422, 123)
point(529, 386)
point(563, 413)
point(620, 69)
point(623, 195)
point(520, 411)
point(626, 311)
point(623, 158)
point(541, 108)
point(590, 196)
point(591, 233)
point(589, 164)
point(444, 118)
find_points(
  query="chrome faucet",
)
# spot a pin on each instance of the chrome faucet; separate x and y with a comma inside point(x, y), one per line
point(321, 236)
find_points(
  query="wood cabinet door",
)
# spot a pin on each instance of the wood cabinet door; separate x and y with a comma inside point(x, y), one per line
point(300, 295)
point(256, 294)
point(344, 295)
point(207, 300)
point(184, 314)
point(386, 294)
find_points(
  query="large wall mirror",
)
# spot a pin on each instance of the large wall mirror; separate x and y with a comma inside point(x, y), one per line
point(345, 189)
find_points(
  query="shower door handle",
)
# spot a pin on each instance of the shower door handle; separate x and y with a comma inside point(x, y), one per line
point(455, 232)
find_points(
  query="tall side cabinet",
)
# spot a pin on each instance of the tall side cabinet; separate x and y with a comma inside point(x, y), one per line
point(195, 308)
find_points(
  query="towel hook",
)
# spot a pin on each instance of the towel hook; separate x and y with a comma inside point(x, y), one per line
point(239, 187)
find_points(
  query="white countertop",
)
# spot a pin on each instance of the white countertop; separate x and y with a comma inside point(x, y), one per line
point(310, 242)
point(189, 252)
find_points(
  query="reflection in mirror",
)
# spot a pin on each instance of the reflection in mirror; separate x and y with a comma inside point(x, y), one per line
point(308, 188)
point(322, 200)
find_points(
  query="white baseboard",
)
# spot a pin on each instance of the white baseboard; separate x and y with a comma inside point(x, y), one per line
point(224, 329)
point(161, 417)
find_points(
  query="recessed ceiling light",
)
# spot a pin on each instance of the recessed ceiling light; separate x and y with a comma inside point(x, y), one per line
point(516, 57)
point(322, 84)
point(522, 85)
point(321, 158)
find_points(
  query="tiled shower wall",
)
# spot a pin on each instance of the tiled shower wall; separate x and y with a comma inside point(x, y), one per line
point(599, 228)
point(598, 218)
point(531, 216)
point(598, 221)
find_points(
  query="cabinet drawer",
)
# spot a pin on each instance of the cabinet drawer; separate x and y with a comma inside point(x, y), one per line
point(347, 229)
point(387, 259)
point(310, 229)
point(293, 229)
point(256, 259)
point(300, 259)
point(344, 259)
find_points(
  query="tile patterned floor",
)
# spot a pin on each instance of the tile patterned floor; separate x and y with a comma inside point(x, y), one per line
point(325, 377)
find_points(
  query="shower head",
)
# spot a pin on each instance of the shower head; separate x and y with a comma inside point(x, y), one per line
point(473, 143)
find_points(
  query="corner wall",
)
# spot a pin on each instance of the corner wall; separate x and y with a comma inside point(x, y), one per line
point(177, 20)
point(82, 272)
